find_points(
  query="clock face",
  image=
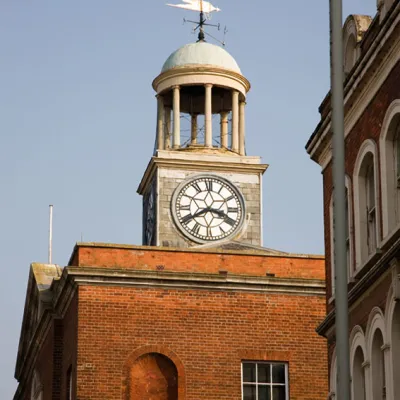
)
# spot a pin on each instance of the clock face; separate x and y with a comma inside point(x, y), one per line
point(208, 208)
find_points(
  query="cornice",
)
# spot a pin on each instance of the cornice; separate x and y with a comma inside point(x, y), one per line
point(201, 70)
point(359, 289)
point(360, 89)
point(174, 280)
point(196, 165)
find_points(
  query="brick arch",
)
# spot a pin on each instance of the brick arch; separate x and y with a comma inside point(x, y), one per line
point(154, 349)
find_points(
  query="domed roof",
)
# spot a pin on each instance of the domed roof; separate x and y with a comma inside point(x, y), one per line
point(201, 53)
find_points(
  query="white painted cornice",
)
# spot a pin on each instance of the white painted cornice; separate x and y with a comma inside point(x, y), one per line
point(360, 89)
point(180, 280)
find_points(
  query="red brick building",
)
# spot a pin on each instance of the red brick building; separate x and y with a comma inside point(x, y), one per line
point(201, 310)
point(372, 145)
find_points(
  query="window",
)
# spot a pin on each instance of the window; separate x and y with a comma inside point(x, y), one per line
point(348, 234)
point(390, 169)
point(350, 55)
point(264, 381)
point(371, 207)
point(347, 208)
point(366, 210)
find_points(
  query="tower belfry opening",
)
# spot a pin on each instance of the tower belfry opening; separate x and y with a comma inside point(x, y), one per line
point(186, 114)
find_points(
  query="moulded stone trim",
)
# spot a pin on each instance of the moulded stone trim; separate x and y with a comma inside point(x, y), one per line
point(158, 349)
point(351, 234)
point(357, 339)
point(366, 92)
point(385, 137)
point(368, 146)
point(376, 320)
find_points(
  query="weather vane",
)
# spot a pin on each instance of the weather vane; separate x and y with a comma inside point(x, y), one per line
point(206, 9)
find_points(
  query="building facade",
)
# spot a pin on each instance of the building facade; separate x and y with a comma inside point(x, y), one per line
point(372, 164)
point(201, 310)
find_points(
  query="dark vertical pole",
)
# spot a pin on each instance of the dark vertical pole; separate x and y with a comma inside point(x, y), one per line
point(339, 206)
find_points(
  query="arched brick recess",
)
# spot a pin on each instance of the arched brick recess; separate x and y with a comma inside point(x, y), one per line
point(153, 349)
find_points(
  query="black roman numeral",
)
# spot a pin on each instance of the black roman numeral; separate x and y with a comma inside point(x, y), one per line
point(209, 185)
point(187, 218)
point(197, 187)
point(196, 229)
point(233, 209)
point(230, 198)
point(185, 208)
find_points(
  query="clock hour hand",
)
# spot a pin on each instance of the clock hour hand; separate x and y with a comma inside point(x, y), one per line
point(189, 217)
point(224, 216)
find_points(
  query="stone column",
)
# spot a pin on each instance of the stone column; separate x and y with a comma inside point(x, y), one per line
point(242, 128)
point(167, 128)
point(387, 355)
point(235, 121)
point(208, 115)
point(160, 123)
point(367, 380)
point(177, 116)
point(193, 139)
point(224, 129)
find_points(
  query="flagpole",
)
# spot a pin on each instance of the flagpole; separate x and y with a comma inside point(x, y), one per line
point(339, 205)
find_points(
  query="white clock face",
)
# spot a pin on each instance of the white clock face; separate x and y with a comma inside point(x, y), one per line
point(208, 208)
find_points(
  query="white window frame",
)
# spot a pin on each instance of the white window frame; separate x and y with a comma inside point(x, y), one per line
point(257, 384)
point(370, 197)
point(349, 239)
point(363, 255)
point(390, 191)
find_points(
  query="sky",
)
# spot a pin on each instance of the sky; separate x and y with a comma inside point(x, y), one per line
point(78, 119)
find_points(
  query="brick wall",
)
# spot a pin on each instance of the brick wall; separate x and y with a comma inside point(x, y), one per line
point(142, 258)
point(367, 127)
point(206, 333)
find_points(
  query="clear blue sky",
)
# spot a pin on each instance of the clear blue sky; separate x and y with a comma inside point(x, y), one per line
point(78, 113)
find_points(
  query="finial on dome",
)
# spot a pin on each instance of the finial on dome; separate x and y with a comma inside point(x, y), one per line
point(205, 8)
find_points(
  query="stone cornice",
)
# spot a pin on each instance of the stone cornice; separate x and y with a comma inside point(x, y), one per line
point(201, 70)
point(361, 88)
point(359, 289)
point(197, 165)
point(175, 280)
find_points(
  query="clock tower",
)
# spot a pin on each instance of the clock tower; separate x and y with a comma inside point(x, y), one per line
point(200, 187)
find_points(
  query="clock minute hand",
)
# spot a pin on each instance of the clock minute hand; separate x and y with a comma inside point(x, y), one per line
point(218, 212)
point(189, 217)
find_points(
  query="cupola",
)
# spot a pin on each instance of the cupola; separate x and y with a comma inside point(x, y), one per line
point(198, 83)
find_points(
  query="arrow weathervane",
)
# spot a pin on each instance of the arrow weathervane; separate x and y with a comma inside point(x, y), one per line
point(204, 7)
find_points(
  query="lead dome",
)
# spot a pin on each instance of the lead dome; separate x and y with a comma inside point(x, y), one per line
point(201, 53)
